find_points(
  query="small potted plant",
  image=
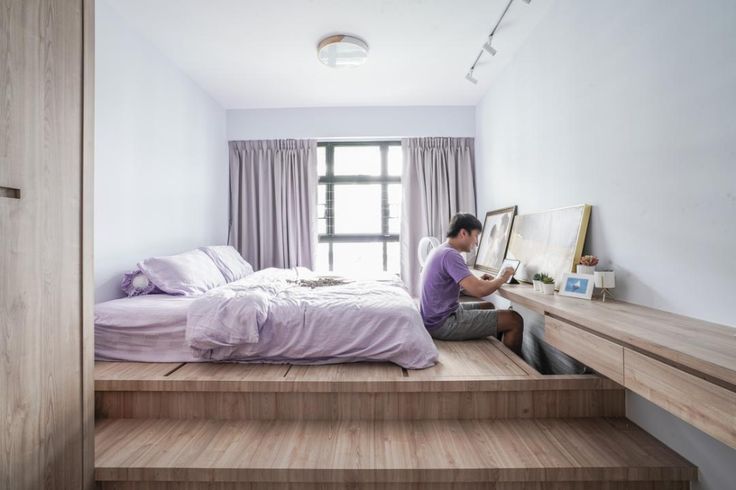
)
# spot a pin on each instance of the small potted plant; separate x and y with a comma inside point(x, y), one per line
point(587, 264)
point(537, 282)
point(548, 284)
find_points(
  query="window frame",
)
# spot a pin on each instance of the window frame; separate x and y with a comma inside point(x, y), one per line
point(330, 180)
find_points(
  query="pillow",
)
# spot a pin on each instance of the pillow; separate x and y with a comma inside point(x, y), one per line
point(232, 265)
point(136, 283)
point(190, 273)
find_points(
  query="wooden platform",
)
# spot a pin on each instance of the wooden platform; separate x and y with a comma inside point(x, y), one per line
point(481, 418)
point(479, 364)
point(476, 379)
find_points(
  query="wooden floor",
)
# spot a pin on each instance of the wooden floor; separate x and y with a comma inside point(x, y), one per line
point(481, 418)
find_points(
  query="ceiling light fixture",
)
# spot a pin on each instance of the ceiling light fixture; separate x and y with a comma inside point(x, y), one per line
point(487, 45)
point(341, 51)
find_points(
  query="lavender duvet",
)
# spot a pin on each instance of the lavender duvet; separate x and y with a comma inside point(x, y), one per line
point(294, 316)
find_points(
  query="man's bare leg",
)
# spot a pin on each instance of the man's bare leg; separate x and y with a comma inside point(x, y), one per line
point(511, 326)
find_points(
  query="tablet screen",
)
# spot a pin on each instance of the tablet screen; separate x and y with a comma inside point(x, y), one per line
point(513, 263)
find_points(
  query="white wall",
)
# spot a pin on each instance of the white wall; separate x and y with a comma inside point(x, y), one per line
point(160, 156)
point(631, 107)
point(351, 122)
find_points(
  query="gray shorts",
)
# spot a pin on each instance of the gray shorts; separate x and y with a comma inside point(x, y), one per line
point(467, 324)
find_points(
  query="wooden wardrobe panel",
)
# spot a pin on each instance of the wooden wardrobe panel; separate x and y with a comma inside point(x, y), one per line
point(87, 214)
point(41, 443)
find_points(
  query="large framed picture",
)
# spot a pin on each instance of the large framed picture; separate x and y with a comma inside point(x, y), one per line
point(577, 285)
point(494, 239)
point(549, 242)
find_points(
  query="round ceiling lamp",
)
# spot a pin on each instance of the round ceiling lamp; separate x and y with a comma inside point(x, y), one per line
point(342, 51)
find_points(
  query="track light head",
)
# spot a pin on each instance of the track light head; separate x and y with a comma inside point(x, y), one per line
point(487, 45)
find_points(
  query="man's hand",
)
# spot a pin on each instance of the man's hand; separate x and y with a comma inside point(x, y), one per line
point(507, 274)
point(485, 285)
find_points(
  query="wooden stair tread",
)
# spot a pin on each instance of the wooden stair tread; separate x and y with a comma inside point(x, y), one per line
point(396, 451)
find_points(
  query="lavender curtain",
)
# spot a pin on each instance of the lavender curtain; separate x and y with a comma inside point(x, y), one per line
point(437, 182)
point(273, 193)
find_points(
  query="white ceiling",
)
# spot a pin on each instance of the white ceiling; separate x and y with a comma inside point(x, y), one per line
point(262, 54)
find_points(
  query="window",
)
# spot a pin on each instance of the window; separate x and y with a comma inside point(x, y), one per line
point(359, 206)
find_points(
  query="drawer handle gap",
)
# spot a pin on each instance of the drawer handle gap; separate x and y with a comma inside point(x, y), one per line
point(9, 192)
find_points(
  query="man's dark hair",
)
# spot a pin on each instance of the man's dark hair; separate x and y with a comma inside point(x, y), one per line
point(463, 221)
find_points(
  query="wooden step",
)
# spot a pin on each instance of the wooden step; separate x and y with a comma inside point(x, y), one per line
point(518, 454)
point(566, 485)
point(473, 380)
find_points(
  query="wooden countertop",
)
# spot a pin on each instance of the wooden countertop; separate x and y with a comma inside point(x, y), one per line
point(704, 349)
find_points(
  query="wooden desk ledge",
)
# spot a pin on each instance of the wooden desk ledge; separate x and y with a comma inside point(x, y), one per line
point(684, 365)
point(704, 349)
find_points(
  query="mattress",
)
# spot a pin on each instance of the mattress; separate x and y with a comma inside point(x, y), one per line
point(269, 317)
point(148, 328)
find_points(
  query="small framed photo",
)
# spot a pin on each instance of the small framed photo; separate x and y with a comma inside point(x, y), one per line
point(577, 285)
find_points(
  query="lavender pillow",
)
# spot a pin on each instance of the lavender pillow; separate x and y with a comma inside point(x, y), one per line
point(229, 261)
point(136, 283)
point(189, 274)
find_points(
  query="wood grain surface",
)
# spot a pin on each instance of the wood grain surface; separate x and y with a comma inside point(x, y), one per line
point(709, 407)
point(704, 349)
point(602, 355)
point(386, 451)
point(46, 409)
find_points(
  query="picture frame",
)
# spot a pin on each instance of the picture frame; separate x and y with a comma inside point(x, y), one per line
point(494, 239)
point(549, 242)
point(577, 285)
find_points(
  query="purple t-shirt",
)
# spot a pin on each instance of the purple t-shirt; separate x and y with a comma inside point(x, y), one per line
point(442, 273)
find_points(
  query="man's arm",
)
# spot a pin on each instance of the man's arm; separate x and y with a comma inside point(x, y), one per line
point(481, 287)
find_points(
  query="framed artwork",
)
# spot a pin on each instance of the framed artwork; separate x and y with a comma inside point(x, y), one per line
point(549, 242)
point(577, 285)
point(494, 239)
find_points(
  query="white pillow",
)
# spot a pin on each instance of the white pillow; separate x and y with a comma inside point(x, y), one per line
point(232, 265)
point(190, 273)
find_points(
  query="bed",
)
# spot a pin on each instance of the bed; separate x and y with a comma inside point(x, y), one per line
point(273, 316)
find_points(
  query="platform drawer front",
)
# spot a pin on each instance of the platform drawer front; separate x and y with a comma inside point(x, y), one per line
point(600, 354)
point(701, 403)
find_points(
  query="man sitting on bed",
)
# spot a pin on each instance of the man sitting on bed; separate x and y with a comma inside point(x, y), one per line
point(442, 277)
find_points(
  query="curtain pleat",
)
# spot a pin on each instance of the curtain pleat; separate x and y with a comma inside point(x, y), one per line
point(437, 182)
point(273, 202)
